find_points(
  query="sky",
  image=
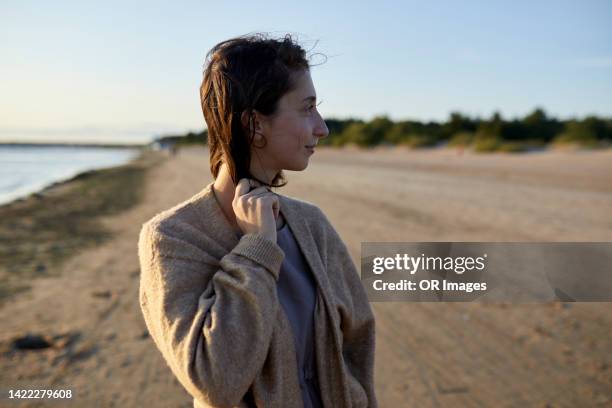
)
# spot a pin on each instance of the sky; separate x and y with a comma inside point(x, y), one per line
point(129, 71)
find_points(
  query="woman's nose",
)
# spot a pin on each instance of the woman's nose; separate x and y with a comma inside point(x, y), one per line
point(321, 130)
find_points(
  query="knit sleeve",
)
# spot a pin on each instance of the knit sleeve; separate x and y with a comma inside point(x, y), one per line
point(357, 322)
point(211, 320)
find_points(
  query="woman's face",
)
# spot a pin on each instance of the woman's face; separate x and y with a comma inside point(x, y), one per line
point(291, 132)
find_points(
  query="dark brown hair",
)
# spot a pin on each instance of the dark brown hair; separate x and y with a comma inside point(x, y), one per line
point(243, 74)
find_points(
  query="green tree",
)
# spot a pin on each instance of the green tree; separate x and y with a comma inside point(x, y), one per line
point(540, 127)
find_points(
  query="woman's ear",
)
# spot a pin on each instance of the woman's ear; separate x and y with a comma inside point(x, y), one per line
point(251, 122)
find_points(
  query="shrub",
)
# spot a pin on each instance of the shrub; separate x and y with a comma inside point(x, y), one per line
point(461, 139)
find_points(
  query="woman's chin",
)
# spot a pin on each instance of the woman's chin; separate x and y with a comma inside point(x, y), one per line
point(297, 165)
point(304, 165)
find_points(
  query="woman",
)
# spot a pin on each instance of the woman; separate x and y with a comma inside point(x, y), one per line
point(251, 296)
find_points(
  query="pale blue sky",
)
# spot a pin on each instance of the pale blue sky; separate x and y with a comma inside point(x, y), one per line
point(125, 71)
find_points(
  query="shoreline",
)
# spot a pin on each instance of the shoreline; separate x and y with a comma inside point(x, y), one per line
point(42, 230)
point(39, 188)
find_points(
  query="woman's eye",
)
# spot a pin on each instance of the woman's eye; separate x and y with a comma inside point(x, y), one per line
point(311, 107)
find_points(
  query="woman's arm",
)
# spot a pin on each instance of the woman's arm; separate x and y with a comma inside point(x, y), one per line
point(212, 321)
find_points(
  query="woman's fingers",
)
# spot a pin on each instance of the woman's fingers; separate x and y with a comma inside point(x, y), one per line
point(258, 192)
point(257, 209)
point(255, 183)
point(242, 188)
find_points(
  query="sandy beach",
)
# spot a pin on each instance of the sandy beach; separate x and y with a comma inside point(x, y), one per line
point(428, 354)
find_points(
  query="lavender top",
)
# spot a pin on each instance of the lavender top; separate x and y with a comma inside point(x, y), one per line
point(297, 291)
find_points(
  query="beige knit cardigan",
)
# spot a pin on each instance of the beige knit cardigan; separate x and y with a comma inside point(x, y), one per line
point(210, 304)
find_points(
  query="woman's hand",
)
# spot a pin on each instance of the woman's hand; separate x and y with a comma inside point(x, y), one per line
point(256, 210)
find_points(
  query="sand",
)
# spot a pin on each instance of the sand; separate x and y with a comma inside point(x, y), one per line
point(428, 354)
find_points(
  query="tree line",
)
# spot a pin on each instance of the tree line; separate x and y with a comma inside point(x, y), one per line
point(535, 130)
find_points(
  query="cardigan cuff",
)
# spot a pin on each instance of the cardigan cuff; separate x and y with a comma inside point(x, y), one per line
point(262, 251)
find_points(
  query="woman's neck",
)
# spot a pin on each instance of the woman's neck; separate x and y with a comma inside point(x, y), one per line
point(224, 190)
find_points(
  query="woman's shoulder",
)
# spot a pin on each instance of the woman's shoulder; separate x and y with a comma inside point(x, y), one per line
point(192, 230)
point(194, 215)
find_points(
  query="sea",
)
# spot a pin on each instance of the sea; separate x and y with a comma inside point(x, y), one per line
point(26, 169)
